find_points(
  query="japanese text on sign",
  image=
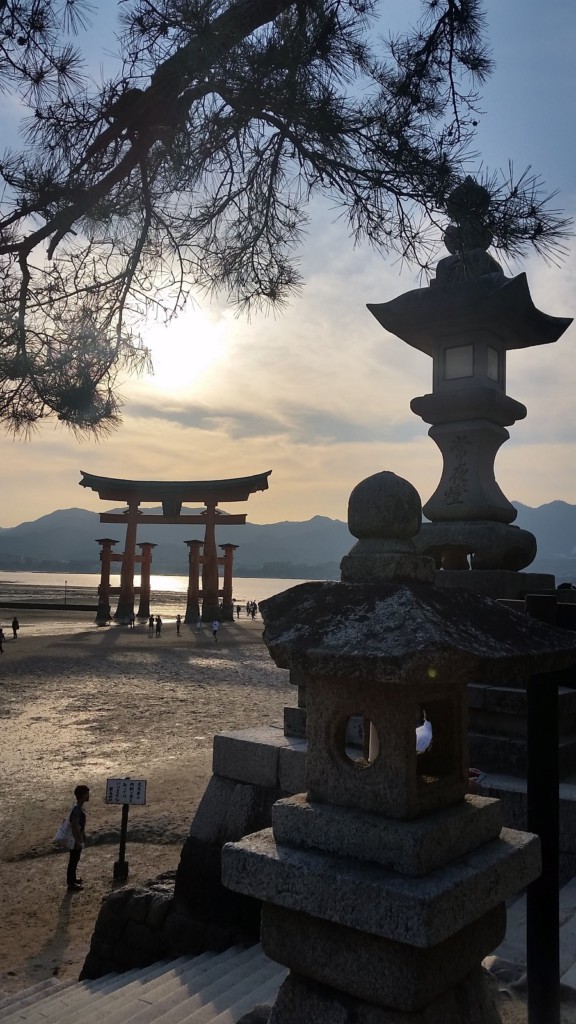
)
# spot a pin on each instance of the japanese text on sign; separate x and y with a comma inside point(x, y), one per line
point(125, 791)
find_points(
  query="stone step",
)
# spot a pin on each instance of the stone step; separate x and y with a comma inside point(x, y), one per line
point(265, 993)
point(214, 988)
point(58, 994)
point(119, 1002)
point(167, 998)
point(33, 992)
point(145, 983)
point(88, 996)
point(233, 994)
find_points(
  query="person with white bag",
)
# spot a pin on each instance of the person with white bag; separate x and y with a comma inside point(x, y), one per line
point(77, 819)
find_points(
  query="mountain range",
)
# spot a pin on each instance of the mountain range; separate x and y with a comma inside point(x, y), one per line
point(65, 541)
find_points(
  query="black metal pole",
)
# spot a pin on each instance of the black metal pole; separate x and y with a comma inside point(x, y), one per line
point(543, 817)
point(542, 907)
point(121, 865)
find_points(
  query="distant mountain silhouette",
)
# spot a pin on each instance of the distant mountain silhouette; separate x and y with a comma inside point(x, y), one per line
point(66, 541)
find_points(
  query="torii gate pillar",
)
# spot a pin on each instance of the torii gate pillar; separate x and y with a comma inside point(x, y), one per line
point(126, 597)
point(146, 563)
point(210, 603)
point(193, 597)
point(227, 606)
point(103, 612)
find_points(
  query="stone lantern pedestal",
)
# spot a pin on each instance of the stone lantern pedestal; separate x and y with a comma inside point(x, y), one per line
point(337, 913)
point(384, 885)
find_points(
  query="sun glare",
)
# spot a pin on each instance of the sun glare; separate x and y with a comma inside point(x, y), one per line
point(188, 351)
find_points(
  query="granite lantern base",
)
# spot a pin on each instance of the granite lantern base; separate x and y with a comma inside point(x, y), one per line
point(306, 1002)
point(376, 943)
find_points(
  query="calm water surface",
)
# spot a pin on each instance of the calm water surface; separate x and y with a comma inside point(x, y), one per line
point(168, 593)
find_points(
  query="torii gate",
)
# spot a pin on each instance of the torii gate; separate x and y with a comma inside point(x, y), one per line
point(171, 495)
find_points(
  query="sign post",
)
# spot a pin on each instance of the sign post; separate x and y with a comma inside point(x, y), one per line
point(124, 791)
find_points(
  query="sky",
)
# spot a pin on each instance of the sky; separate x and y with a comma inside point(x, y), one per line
point(320, 393)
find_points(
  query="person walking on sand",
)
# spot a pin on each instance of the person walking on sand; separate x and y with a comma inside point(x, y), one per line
point(78, 826)
point(215, 629)
point(158, 625)
point(2, 639)
point(151, 626)
point(178, 624)
point(15, 627)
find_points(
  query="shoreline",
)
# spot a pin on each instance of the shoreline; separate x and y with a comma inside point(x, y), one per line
point(49, 606)
point(54, 621)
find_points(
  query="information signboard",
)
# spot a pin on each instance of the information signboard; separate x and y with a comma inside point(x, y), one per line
point(126, 791)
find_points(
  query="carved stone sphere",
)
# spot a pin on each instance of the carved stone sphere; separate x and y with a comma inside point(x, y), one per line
point(385, 506)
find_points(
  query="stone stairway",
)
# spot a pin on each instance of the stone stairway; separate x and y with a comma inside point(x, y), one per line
point(219, 988)
point(214, 988)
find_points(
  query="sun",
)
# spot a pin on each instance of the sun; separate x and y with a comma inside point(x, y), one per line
point(186, 354)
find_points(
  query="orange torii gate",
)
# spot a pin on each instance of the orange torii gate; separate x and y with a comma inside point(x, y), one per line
point(171, 495)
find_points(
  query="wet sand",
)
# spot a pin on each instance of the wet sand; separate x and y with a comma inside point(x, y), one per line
point(80, 703)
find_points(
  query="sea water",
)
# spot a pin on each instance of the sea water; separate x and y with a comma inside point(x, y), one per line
point(167, 593)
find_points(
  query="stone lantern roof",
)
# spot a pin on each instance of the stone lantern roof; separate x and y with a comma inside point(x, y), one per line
point(470, 286)
point(387, 629)
point(387, 620)
point(489, 301)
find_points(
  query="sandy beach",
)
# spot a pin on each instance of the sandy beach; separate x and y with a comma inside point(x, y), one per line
point(80, 703)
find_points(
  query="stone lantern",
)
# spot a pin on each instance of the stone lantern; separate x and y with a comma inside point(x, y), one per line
point(384, 885)
point(392, 700)
point(466, 320)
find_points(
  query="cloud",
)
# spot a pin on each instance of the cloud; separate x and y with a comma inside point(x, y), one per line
point(294, 423)
point(204, 418)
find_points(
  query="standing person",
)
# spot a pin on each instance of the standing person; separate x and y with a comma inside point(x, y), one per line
point(158, 625)
point(237, 611)
point(2, 639)
point(151, 626)
point(215, 629)
point(178, 624)
point(15, 627)
point(78, 826)
point(132, 620)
